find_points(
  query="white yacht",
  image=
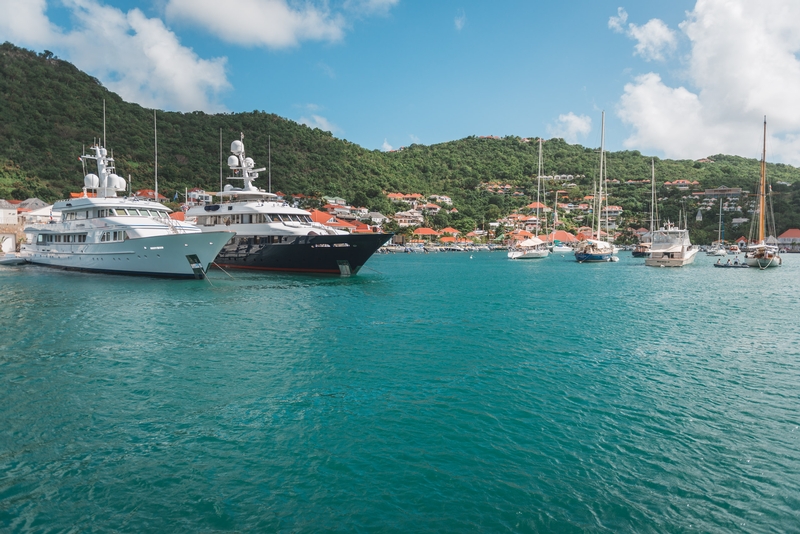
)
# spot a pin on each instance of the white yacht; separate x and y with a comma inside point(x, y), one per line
point(271, 235)
point(102, 232)
point(671, 248)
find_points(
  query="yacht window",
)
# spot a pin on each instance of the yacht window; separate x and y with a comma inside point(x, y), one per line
point(306, 218)
point(275, 217)
point(40, 238)
point(133, 212)
point(69, 216)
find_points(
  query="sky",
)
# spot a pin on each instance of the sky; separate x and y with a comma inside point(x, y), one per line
point(684, 79)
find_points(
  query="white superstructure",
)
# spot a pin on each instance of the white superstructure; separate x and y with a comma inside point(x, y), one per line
point(102, 232)
point(671, 248)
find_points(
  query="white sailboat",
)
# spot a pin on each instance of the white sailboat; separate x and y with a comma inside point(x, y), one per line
point(530, 249)
point(533, 248)
point(761, 254)
point(642, 250)
point(718, 248)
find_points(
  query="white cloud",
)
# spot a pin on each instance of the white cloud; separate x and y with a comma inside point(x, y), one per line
point(25, 21)
point(386, 147)
point(270, 23)
point(654, 40)
point(743, 65)
point(618, 23)
point(460, 20)
point(134, 56)
point(571, 127)
point(318, 121)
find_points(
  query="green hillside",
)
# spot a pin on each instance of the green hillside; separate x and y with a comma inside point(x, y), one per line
point(49, 110)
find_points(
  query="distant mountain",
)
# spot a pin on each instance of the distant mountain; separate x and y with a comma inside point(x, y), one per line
point(49, 110)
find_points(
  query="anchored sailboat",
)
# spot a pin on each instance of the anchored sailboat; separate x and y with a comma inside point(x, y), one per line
point(595, 250)
point(761, 254)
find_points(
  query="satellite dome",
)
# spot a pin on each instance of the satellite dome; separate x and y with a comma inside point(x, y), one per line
point(248, 162)
point(233, 161)
point(91, 181)
point(228, 187)
point(237, 147)
point(116, 182)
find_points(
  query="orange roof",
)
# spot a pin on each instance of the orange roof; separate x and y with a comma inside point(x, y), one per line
point(149, 193)
point(447, 239)
point(362, 228)
point(791, 232)
point(425, 231)
point(534, 205)
point(450, 230)
point(522, 233)
point(328, 220)
point(562, 235)
point(177, 215)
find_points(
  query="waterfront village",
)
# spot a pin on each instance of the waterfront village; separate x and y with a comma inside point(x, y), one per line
point(414, 221)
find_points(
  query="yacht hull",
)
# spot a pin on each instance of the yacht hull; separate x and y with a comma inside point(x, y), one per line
point(677, 260)
point(764, 263)
point(332, 254)
point(586, 257)
point(528, 255)
point(165, 256)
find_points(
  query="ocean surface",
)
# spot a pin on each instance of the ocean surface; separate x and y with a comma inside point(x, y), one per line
point(448, 392)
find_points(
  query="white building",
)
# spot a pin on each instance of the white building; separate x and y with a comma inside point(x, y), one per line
point(408, 218)
point(8, 213)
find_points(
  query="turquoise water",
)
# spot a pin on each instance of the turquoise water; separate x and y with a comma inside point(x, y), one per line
point(431, 393)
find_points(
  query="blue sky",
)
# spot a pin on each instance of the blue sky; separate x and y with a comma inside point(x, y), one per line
point(679, 79)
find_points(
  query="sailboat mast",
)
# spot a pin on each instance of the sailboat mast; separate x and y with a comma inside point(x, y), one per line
point(599, 200)
point(652, 196)
point(762, 193)
point(539, 185)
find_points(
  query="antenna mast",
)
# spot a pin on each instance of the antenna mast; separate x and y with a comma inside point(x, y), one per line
point(155, 138)
point(762, 190)
point(220, 159)
point(104, 122)
point(269, 140)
